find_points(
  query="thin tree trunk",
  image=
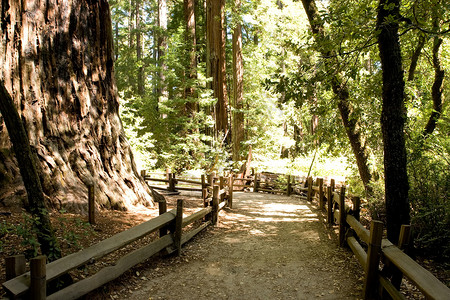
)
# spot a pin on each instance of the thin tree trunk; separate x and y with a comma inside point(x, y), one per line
point(162, 48)
point(415, 57)
point(437, 88)
point(238, 87)
point(140, 75)
point(343, 97)
point(191, 42)
point(393, 116)
point(27, 165)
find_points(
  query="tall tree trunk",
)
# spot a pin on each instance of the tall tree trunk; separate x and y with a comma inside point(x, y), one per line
point(191, 42)
point(437, 88)
point(131, 24)
point(393, 116)
point(215, 16)
point(57, 62)
point(162, 48)
point(140, 75)
point(415, 56)
point(238, 87)
point(27, 165)
point(342, 94)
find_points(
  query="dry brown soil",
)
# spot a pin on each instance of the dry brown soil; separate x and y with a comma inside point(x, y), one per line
point(266, 247)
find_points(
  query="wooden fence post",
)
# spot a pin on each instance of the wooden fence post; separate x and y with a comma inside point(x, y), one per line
point(178, 226)
point(332, 184)
point(143, 172)
point(342, 217)
point(221, 186)
point(171, 187)
point(162, 206)
point(330, 218)
point(288, 192)
point(211, 180)
point(38, 282)
point(14, 266)
point(255, 183)
point(230, 191)
point(204, 190)
point(403, 243)
point(215, 205)
point(309, 193)
point(321, 204)
point(373, 260)
point(356, 207)
point(91, 203)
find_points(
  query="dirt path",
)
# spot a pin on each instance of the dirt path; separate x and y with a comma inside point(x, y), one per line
point(267, 247)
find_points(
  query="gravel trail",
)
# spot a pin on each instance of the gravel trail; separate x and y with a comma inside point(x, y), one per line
point(266, 247)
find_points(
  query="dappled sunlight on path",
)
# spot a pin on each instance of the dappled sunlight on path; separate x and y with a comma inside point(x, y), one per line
point(266, 247)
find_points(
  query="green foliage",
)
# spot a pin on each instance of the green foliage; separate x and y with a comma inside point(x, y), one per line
point(27, 232)
point(289, 105)
point(429, 174)
point(5, 228)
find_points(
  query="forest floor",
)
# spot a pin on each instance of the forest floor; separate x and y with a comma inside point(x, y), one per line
point(266, 247)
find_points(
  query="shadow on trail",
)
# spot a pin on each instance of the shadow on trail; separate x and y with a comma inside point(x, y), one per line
point(266, 247)
point(259, 214)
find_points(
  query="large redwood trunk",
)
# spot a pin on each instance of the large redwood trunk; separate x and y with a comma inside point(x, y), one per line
point(215, 27)
point(57, 63)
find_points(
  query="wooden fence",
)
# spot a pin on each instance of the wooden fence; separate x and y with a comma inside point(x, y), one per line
point(32, 285)
point(217, 192)
point(172, 183)
point(345, 212)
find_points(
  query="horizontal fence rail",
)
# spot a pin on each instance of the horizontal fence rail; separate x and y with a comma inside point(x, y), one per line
point(171, 238)
point(345, 212)
point(217, 192)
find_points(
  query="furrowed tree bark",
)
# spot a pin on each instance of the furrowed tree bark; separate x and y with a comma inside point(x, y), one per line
point(26, 160)
point(238, 87)
point(343, 96)
point(215, 19)
point(393, 116)
point(57, 63)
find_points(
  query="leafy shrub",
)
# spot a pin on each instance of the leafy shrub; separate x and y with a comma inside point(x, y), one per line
point(429, 173)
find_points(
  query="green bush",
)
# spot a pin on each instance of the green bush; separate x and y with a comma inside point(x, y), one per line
point(429, 173)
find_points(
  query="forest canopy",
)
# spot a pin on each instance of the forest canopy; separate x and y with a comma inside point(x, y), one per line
point(296, 81)
point(355, 89)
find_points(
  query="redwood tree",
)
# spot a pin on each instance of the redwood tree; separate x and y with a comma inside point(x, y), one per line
point(162, 48)
point(58, 65)
point(238, 87)
point(215, 36)
point(191, 41)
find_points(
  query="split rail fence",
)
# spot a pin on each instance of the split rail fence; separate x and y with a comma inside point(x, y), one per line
point(369, 246)
point(33, 284)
